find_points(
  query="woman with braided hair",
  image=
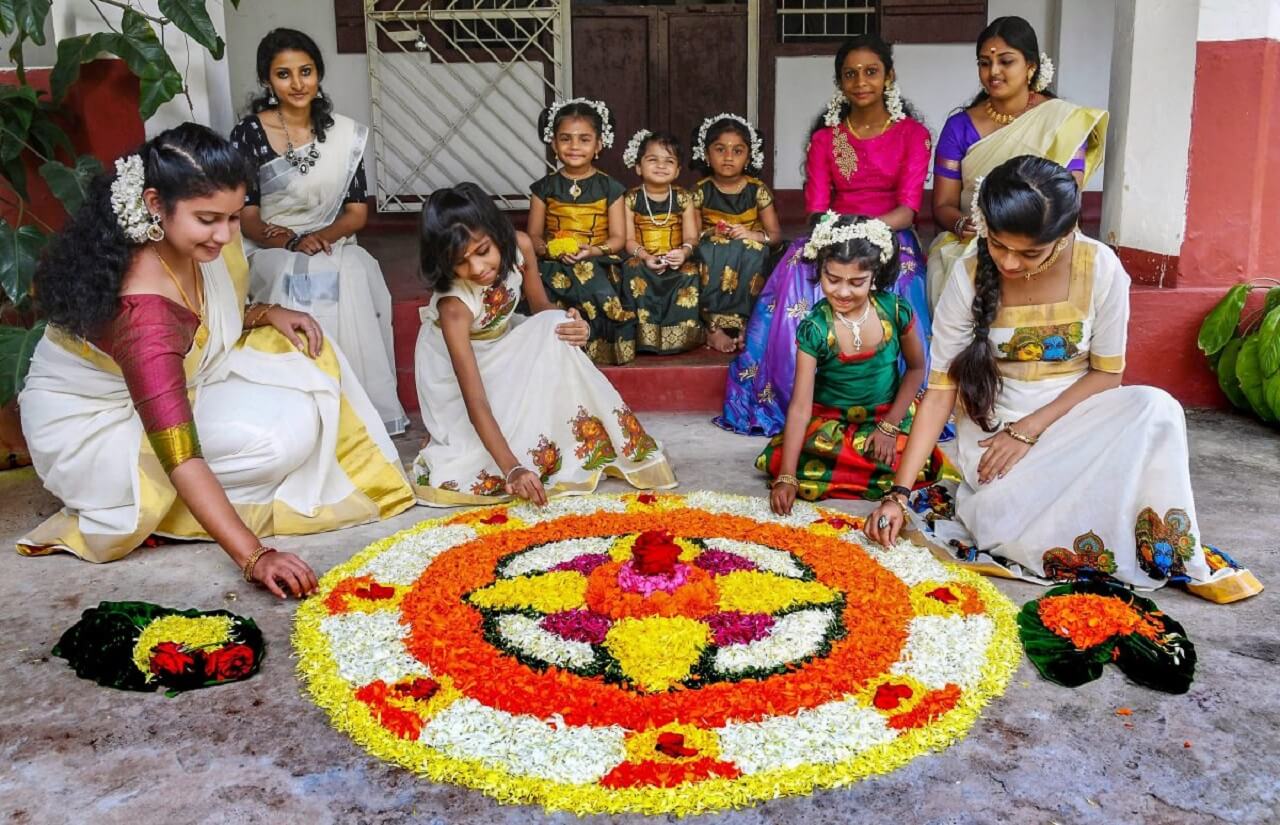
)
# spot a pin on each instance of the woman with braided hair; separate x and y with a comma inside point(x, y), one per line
point(1067, 474)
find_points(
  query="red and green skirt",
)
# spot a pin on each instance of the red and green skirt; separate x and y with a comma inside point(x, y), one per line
point(833, 463)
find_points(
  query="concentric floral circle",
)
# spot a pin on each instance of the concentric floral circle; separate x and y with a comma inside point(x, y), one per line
point(651, 653)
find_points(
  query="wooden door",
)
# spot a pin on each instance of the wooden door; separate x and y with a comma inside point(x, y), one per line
point(660, 67)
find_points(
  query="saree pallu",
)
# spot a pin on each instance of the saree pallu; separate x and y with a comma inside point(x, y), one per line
point(345, 290)
point(295, 442)
point(1054, 130)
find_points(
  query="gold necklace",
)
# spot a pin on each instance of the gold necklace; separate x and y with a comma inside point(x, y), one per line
point(1049, 261)
point(197, 309)
point(849, 122)
point(574, 189)
point(1002, 118)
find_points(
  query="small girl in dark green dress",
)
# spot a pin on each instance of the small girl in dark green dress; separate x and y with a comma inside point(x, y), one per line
point(577, 225)
point(739, 223)
point(850, 409)
point(660, 274)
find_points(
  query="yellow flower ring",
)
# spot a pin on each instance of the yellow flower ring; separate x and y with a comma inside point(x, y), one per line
point(651, 653)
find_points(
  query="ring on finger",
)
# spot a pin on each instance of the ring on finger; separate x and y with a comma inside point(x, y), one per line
point(882, 523)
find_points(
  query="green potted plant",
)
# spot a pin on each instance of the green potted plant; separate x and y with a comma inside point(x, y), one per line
point(1245, 355)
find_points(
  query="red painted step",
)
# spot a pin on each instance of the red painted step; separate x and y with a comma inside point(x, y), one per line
point(690, 382)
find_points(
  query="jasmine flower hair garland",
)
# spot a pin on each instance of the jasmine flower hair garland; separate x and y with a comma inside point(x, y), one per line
point(606, 131)
point(827, 233)
point(757, 145)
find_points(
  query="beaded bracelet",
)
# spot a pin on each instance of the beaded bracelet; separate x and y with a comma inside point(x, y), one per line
point(785, 478)
point(891, 430)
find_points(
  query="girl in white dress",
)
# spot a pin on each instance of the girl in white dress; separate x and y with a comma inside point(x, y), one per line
point(513, 407)
point(1067, 474)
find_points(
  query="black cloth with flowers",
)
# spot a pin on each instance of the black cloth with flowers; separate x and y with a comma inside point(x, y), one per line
point(102, 646)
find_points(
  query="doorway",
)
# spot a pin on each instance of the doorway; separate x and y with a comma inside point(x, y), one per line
point(661, 66)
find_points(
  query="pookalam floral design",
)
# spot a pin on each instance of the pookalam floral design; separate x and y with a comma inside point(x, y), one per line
point(651, 653)
point(143, 646)
point(1074, 630)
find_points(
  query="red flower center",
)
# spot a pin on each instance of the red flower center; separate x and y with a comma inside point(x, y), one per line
point(889, 696)
point(655, 553)
point(646, 498)
point(374, 592)
point(943, 595)
point(496, 518)
point(421, 688)
point(672, 744)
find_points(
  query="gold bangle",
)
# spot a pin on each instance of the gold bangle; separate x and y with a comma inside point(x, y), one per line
point(253, 561)
point(1029, 440)
point(892, 430)
point(785, 478)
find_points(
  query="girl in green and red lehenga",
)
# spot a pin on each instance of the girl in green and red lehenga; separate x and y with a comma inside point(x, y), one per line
point(850, 411)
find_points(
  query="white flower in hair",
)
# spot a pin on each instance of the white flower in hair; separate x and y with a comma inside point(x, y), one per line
point(893, 102)
point(832, 117)
point(606, 131)
point(976, 217)
point(126, 198)
point(827, 233)
point(631, 155)
point(757, 145)
point(1044, 76)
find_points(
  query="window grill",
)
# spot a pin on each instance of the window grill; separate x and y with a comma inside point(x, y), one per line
point(819, 21)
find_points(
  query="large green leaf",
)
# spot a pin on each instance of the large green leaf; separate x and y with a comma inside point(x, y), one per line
point(72, 51)
point(1273, 299)
point(18, 105)
point(71, 184)
point(1249, 371)
point(192, 17)
point(141, 50)
point(46, 135)
point(16, 346)
point(1271, 392)
point(19, 250)
point(1222, 320)
point(26, 17)
point(1227, 378)
point(1269, 345)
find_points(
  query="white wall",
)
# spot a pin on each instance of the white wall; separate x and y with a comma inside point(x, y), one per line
point(938, 78)
point(1239, 19)
point(1153, 77)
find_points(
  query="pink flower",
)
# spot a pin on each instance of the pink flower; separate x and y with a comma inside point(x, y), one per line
point(734, 628)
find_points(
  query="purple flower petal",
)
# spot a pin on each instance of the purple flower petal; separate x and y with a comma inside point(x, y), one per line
point(720, 562)
point(578, 626)
point(734, 628)
point(583, 564)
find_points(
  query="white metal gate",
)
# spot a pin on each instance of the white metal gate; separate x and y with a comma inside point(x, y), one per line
point(457, 87)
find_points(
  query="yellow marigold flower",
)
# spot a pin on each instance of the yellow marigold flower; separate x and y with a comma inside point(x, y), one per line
point(658, 651)
point(562, 246)
point(191, 633)
point(750, 591)
point(552, 592)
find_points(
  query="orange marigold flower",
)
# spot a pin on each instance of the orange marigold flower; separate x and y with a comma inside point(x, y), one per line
point(1088, 620)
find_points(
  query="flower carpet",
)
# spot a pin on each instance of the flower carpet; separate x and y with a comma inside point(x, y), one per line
point(651, 653)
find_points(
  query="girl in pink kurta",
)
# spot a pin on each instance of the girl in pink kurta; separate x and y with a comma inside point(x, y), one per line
point(876, 169)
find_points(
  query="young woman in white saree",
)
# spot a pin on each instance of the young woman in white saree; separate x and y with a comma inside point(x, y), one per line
point(1067, 474)
point(157, 402)
point(303, 209)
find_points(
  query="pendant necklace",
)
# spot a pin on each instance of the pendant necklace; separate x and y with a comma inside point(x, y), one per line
point(856, 326)
point(197, 309)
point(302, 163)
point(574, 189)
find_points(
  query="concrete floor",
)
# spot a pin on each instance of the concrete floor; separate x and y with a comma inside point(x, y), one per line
point(259, 751)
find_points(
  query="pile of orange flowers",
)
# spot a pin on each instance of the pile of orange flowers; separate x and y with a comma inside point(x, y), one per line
point(1088, 620)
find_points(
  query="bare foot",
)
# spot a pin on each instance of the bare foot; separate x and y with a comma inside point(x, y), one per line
point(720, 341)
